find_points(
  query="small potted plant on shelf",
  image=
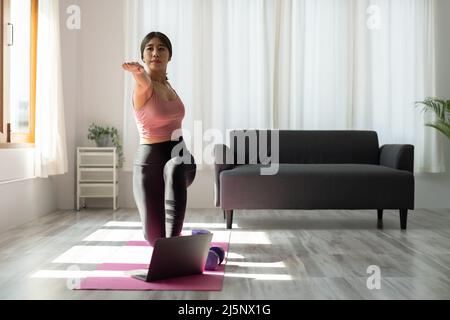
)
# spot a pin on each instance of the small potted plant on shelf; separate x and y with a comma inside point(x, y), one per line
point(106, 137)
point(441, 108)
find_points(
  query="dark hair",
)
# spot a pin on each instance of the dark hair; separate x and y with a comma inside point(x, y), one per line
point(161, 36)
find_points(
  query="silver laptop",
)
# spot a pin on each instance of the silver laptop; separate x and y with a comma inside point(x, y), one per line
point(177, 256)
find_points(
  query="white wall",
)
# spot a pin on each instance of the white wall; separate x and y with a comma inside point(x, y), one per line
point(23, 201)
point(443, 48)
point(93, 84)
point(22, 197)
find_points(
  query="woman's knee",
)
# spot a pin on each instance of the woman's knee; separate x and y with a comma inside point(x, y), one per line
point(174, 168)
point(177, 170)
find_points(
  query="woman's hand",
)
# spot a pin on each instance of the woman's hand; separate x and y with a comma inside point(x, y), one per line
point(133, 67)
point(143, 86)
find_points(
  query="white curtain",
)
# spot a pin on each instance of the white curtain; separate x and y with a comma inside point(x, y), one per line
point(394, 67)
point(295, 65)
point(50, 138)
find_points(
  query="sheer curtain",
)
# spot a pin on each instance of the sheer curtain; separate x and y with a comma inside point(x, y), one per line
point(295, 65)
point(395, 67)
point(50, 138)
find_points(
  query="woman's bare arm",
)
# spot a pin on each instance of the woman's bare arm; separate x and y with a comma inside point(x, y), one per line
point(143, 84)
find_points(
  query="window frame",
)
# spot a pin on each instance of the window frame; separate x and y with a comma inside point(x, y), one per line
point(2, 123)
point(18, 139)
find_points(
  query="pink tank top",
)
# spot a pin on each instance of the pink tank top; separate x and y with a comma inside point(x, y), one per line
point(159, 118)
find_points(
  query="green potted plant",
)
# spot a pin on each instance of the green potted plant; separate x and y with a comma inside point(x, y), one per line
point(441, 108)
point(105, 137)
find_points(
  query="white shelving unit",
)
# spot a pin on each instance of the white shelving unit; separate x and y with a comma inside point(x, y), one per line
point(97, 174)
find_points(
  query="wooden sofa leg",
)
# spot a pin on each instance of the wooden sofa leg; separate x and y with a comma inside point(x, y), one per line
point(380, 219)
point(403, 218)
point(229, 214)
point(380, 214)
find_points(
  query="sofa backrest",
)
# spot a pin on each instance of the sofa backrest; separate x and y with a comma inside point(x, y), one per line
point(298, 146)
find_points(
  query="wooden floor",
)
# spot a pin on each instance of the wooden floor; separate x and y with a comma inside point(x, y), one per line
point(278, 254)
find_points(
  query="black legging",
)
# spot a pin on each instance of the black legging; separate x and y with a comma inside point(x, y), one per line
point(161, 176)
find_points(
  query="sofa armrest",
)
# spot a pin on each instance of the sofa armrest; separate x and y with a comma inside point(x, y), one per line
point(397, 156)
point(223, 160)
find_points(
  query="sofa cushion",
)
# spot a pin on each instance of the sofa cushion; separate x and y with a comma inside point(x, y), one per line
point(319, 186)
point(303, 146)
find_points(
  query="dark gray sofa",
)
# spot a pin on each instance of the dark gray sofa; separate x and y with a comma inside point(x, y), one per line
point(315, 170)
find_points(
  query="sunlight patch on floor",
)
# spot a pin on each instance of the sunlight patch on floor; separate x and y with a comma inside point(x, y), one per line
point(115, 235)
point(190, 225)
point(123, 224)
point(249, 237)
point(243, 264)
point(260, 276)
point(72, 274)
point(105, 254)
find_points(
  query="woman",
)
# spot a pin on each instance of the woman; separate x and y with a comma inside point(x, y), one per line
point(161, 173)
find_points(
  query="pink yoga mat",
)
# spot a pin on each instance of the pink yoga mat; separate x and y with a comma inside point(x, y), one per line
point(208, 281)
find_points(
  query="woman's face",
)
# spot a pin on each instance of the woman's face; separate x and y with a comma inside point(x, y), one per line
point(156, 55)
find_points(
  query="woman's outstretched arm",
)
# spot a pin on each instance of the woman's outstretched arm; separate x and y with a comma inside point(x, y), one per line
point(143, 84)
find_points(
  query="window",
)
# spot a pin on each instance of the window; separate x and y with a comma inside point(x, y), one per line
point(18, 69)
